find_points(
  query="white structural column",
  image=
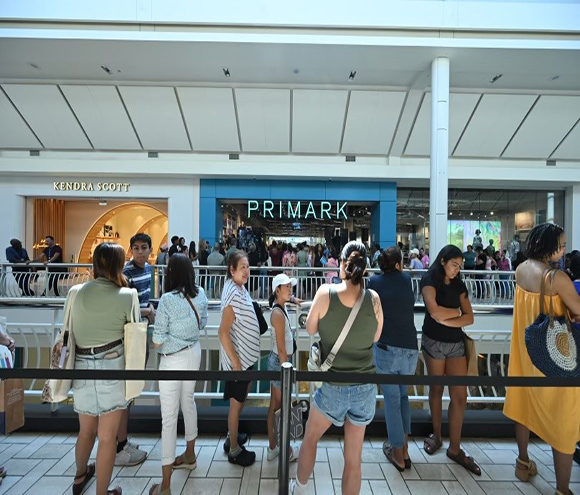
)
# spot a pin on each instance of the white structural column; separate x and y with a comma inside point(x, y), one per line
point(550, 208)
point(439, 155)
point(572, 217)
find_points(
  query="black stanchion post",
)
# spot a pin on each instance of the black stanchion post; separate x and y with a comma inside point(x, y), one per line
point(287, 377)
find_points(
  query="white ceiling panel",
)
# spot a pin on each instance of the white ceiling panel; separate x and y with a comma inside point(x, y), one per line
point(211, 118)
point(48, 114)
point(494, 122)
point(264, 117)
point(14, 133)
point(371, 121)
point(318, 118)
point(461, 107)
point(156, 117)
point(570, 147)
point(546, 125)
point(103, 117)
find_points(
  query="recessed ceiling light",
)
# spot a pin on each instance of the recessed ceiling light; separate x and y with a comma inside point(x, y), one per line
point(491, 213)
point(226, 72)
point(495, 78)
point(471, 213)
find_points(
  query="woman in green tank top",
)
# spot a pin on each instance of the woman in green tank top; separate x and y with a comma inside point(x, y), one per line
point(351, 405)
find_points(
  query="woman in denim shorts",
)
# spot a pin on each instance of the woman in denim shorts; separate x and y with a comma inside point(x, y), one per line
point(447, 311)
point(351, 405)
point(282, 349)
point(99, 313)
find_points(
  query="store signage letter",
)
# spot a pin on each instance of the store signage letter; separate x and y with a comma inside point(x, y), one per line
point(90, 186)
point(297, 210)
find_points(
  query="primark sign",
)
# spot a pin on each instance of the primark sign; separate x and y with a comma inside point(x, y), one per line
point(335, 210)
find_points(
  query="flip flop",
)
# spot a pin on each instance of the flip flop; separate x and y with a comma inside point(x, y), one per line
point(185, 462)
point(408, 463)
point(87, 475)
point(466, 461)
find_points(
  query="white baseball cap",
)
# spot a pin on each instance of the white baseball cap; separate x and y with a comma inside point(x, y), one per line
point(282, 279)
point(415, 251)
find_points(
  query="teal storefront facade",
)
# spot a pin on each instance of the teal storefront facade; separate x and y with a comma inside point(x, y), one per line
point(382, 196)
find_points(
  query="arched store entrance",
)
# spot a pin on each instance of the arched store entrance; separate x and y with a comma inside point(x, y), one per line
point(122, 222)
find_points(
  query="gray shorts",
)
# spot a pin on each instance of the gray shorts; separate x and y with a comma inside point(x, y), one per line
point(442, 350)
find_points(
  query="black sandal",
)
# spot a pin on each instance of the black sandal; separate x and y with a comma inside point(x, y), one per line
point(87, 475)
point(432, 444)
point(466, 461)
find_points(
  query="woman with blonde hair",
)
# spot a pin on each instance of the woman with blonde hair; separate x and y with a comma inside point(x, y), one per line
point(98, 316)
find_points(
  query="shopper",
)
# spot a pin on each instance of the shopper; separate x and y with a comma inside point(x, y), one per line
point(15, 253)
point(138, 274)
point(551, 413)
point(351, 405)
point(181, 314)
point(282, 349)
point(414, 261)
point(99, 313)
point(174, 246)
point(239, 335)
point(396, 351)
point(332, 263)
point(469, 257)
point(447, 311)
point(52, 255)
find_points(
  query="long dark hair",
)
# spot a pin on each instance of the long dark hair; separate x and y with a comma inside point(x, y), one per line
point(180, 276)
point(192, 250)
point(436, 272)
point(354, 257)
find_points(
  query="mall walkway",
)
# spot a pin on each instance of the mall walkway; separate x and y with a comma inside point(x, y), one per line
point(42, 464)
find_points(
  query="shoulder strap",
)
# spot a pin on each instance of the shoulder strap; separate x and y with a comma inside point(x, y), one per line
point(545, 275)
point(346, 329)
point(283, 311)
point(194, 310)
point(67, 319)
point(136, 308)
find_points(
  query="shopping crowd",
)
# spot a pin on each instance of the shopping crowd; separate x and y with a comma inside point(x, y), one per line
point(368, 330)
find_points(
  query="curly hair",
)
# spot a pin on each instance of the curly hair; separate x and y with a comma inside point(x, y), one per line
point(543, 241)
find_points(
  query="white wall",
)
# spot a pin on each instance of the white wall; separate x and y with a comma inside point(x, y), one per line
point(418, 14)
point(572, 217)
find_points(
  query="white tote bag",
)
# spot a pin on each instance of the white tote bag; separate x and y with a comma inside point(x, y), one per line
point(63, 354)
point(135, 349)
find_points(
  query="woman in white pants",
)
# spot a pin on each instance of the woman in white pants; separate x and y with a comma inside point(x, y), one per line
point(181, 314)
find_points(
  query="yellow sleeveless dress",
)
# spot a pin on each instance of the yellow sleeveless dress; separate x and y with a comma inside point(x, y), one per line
point(551, 413)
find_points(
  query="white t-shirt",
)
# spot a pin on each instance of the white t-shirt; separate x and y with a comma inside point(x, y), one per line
point(245, 331)
point(287, 334)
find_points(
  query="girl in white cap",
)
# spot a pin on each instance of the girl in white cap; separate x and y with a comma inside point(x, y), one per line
point(283, 346)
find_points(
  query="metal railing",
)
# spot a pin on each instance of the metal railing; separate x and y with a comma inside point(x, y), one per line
point(20, 281)
point(34, 342)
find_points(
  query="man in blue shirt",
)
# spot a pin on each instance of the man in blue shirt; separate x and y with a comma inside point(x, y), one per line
point(138, 274)
point(15, 253)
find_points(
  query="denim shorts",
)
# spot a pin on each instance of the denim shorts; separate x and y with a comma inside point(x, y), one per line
point(355, 402)
point(274, 365)
point(98, 397)
point(442, 350)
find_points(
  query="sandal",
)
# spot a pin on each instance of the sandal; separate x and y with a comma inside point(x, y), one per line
point(466, 461)
point(3, 472)
point(432, 444)
point(558, 492)
point(408, 463)
point(156, 490)
point(388, 451)
point(86, 477)
point(525, 470)
point(185, 462)
point(115, 491)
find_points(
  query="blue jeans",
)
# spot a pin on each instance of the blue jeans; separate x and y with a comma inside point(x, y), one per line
point(396, 361)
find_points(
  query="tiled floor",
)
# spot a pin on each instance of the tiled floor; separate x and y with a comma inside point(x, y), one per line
point(43, 464)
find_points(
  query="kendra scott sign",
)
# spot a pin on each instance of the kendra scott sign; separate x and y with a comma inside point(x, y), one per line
point(298, 209)
point(92, 186)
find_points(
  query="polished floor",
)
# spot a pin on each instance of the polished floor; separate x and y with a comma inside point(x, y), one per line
point(42, 464)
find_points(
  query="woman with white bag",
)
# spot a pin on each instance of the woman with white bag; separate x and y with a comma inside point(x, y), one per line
point(349, 320)
point(181, 314)
point(100, 310)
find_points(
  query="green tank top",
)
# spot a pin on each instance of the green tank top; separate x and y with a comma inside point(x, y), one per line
point(356, 353)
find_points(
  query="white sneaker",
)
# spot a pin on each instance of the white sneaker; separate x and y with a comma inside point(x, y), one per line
point(130, 456)
point(272, 454)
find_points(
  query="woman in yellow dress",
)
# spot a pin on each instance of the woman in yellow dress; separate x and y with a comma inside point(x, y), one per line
point(551, 413)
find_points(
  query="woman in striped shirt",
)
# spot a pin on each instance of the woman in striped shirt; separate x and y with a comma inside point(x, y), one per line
point(239, 335)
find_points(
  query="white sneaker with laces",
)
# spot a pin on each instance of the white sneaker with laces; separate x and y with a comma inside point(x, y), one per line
point(130, 456)
point(272, 454)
